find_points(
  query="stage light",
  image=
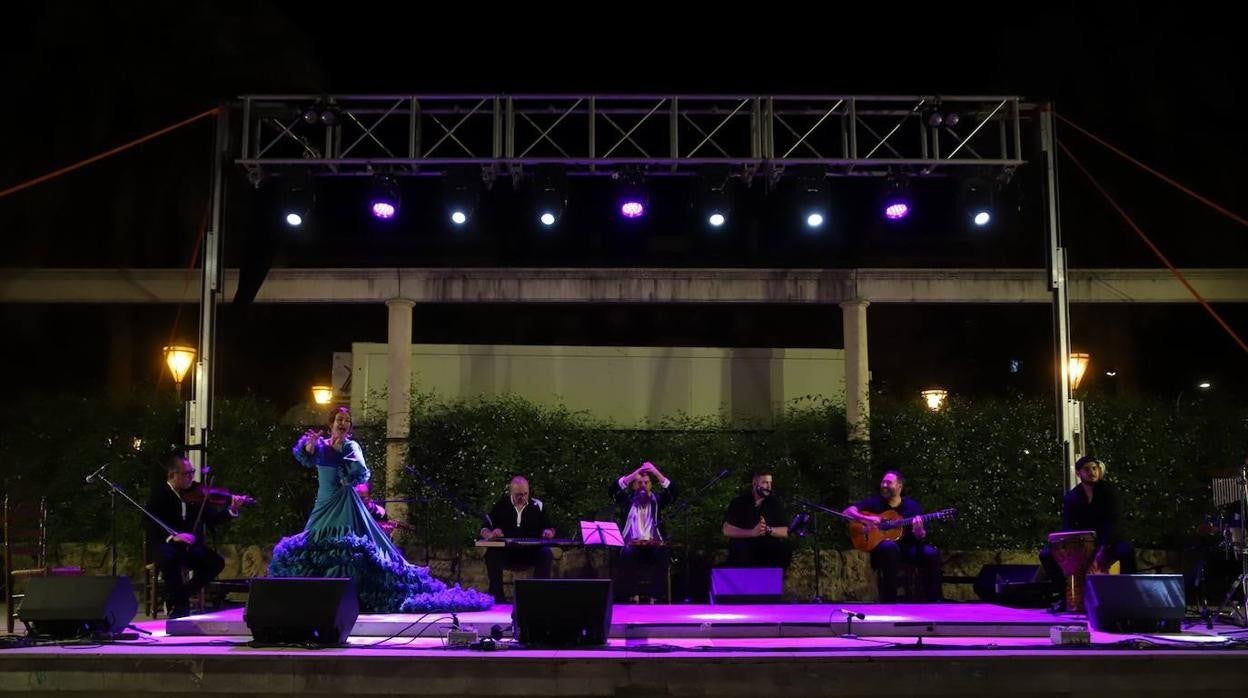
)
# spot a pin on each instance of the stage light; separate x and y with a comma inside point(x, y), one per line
point(632, 197)
point(297, 197)
point(977, 201)
point(813, 194)
point(383, 197)
point(1204, 385)
point(462, 192)
point(713, 195)
point(897, 202)
point(952, 119)
point(935, 119)
point(550, 193)
point(320, 114)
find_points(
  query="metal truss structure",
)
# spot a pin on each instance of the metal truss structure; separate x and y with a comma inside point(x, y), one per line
point(588, 135)
point(412, 135)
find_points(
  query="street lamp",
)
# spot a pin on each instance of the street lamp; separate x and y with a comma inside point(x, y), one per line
point(179, 358)
point(1078, 366)
point(323, 394)
point(935, 398)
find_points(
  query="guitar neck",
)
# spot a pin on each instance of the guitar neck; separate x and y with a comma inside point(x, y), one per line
point(908, 521)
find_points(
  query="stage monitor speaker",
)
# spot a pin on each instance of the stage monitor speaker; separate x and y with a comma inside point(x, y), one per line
point(562, 612)
point(1135, 603)
point(747, 585)
point(68, 607)
point(1023, 586)
point(302, 610)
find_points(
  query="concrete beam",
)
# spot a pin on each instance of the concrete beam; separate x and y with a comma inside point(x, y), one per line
point(377, 285)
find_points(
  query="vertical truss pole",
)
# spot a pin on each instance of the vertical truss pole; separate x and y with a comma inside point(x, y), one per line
point(673, 133)
point(199, 412)
point(593, 132)
point(1061, 301)
point(852, 110)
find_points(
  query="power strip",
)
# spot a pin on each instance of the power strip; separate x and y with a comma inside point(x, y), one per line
point(1070, 635)
point(461, 638)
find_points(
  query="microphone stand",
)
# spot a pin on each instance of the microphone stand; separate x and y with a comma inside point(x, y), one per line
point(814, 529)
point(680, 510)
point(117, 490)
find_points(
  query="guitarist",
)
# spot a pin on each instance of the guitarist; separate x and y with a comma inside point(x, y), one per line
point(888, 556)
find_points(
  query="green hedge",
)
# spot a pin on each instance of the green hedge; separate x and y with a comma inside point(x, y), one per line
point(995, 459)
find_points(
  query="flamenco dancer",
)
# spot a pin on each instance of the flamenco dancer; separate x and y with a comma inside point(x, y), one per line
point(341, 538)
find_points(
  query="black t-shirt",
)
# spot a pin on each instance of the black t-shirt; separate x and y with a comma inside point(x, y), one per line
point(1100, 515)
point(743, 514)
point(876, 504)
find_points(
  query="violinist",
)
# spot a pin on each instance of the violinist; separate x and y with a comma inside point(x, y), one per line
point(184, 549)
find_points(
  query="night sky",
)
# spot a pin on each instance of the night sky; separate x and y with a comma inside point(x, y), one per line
point(1168, 88)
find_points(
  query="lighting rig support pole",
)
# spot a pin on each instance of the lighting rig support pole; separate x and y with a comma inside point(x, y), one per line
point(199, 410)
point(1068, 410)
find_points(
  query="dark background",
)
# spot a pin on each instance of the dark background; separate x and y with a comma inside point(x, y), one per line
point(1167, 87)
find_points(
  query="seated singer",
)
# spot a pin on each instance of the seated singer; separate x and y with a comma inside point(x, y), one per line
point(644, 556)
point(756, 526)
point(185, 550)
point(1091, 506)
point(517, 516)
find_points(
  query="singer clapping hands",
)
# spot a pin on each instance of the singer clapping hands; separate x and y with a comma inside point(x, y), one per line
point(756, 526)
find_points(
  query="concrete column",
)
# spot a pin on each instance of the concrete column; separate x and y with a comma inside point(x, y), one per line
point(398, 399)
point(857, 372)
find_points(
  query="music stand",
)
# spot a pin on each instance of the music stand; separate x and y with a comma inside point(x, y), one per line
point(602, 533)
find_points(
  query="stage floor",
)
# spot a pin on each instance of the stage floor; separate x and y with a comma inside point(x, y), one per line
point(703, 621)
point(929, 650)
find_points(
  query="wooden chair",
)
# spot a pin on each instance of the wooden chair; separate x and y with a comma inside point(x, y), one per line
point(152, 602)
point(25, 549)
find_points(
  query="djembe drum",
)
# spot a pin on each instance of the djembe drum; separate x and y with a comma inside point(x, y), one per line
point(1073, 552)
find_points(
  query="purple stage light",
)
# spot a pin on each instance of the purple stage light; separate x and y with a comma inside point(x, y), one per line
point(383, 210)
point(632, 209)
point(896, 210)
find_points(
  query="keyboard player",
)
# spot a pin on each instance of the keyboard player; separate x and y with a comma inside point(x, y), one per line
point(517, 516)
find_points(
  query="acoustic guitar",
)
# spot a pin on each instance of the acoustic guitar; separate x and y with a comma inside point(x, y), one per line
point(866, 536)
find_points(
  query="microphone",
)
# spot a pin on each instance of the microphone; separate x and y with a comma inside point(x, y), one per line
point(92, 476)
point(852, 614)
point(723, 474)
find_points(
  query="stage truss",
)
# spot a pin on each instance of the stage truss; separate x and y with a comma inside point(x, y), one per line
point(753, 136)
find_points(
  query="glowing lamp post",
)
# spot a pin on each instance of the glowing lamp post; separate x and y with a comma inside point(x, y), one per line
point(323, 394)
point(179, 359)
point(934, 398)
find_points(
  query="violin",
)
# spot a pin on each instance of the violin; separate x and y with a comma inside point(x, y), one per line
point(198, 494)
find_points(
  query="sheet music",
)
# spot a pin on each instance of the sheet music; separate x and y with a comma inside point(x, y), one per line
point(602, 533)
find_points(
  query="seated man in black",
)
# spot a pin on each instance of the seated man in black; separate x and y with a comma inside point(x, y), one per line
point(640, 497)
point(912, 548)
point(516, 516)
point(756, 526)
point(184, 549)
point(1091, 506)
